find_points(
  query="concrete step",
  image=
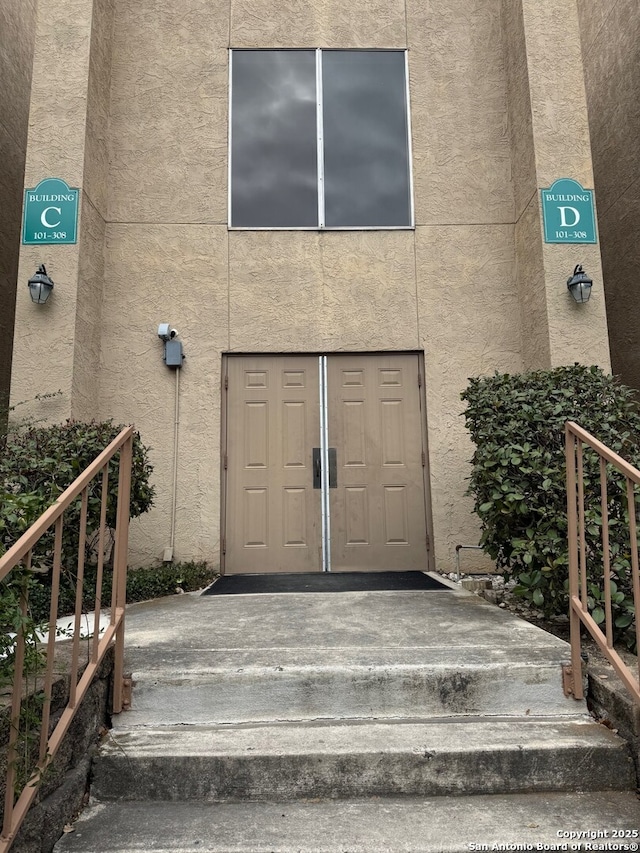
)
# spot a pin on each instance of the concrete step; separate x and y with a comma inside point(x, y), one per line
point(406, 825)
point(298, 761)
point(208, 660)
point(262, 686)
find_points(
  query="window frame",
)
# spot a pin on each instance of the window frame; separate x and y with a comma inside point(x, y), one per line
point(321, 226)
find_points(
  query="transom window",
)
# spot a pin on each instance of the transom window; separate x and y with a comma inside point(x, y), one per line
point(319, 139)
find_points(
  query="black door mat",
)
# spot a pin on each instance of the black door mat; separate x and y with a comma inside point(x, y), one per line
point(323, 582)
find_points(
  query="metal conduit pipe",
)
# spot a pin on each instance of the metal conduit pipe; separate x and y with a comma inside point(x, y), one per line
point(464, 548)
point(174, 488)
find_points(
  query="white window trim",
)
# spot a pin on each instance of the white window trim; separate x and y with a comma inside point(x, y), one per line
point(320, 139)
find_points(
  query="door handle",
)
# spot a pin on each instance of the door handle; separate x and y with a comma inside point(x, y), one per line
point(317, 468)
point(333, 468)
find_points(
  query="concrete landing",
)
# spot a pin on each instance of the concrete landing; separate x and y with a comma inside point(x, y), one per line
point(423, 619)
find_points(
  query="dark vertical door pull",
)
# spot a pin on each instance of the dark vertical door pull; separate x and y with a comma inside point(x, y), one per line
point(317, 468)
point(333, 468)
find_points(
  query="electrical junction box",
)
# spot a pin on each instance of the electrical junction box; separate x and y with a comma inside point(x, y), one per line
point(173, 355)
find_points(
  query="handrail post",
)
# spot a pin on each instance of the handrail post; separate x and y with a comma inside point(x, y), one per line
point(572, 534)
point(120, 565)
point(14, 725)
point(635, 566)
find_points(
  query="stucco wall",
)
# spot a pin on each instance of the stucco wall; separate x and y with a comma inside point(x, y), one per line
point(67, 139)
point(88, 331)
point(17, 33)
point(563, 149)
point(611, 54)
point(169, 256)
point(463, 286)
point(550, 139)
point(528, 247)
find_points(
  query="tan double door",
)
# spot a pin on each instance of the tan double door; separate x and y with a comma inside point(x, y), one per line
point(324, 464)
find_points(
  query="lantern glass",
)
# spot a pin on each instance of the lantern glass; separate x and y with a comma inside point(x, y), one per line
point(39, 292)
point(40, 286)
point(579, 285)
point(581, 291)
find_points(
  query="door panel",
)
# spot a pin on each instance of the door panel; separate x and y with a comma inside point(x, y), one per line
point(376, 484)
point(272, 515)
point(378, 512)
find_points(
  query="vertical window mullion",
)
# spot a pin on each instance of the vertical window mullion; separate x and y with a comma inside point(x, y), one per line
point(320, 132)
point(230, 140)
point(409, 139)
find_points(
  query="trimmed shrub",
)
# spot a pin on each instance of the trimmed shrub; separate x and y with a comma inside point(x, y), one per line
point(142, 584)
point(38, 463)
point(518, 482)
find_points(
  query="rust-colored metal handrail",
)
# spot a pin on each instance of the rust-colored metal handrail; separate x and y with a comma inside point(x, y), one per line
point(20, 554)
point(575, 438)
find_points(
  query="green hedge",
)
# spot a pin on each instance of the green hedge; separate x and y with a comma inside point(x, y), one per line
point(38, 463)
point(142, 584)
point(518, 481)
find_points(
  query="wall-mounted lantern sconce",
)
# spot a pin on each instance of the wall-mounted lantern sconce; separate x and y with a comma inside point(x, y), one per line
point(40, 286)
point(579, 284)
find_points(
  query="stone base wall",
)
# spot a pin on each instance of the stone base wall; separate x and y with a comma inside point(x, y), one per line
point(614, 707)
point(65, 786)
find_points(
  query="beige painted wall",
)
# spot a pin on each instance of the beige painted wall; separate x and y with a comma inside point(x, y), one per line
point(611, 54)
point(67, 139)
point(17, 33)
point(550, 140)
point(529, 267)
point(289, 291)
point(562, 149)
point(456, 287)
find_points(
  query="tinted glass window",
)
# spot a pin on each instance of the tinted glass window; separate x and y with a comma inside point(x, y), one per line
point(366, 158)
point(275, 139)
point(274, 171)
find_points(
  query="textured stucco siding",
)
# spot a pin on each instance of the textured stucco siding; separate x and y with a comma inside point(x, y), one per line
point(529, 269)
point(169, 106)
point(17, 33)
point(67, 139)
point(462, 158)
point(176, 274)
point(472, 285)
point(536, 351)
point(88, 331)
point(558, 133)
point(611, 54)
point(298, 291)
point(523, 162)
point(308, 292)
point(85, 386)
point(469, 325)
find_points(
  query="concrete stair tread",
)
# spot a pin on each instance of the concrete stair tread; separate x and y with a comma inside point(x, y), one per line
point(445, 735)
point(146, 662)
point(394, 758)
point(233, 686)
point(377, 825)
point(242, 659)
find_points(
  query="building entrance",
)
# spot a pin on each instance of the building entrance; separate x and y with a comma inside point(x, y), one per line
point(324, 464)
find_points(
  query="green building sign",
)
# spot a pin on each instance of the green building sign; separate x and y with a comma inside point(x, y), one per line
point(568, 213)
point(50, 213)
